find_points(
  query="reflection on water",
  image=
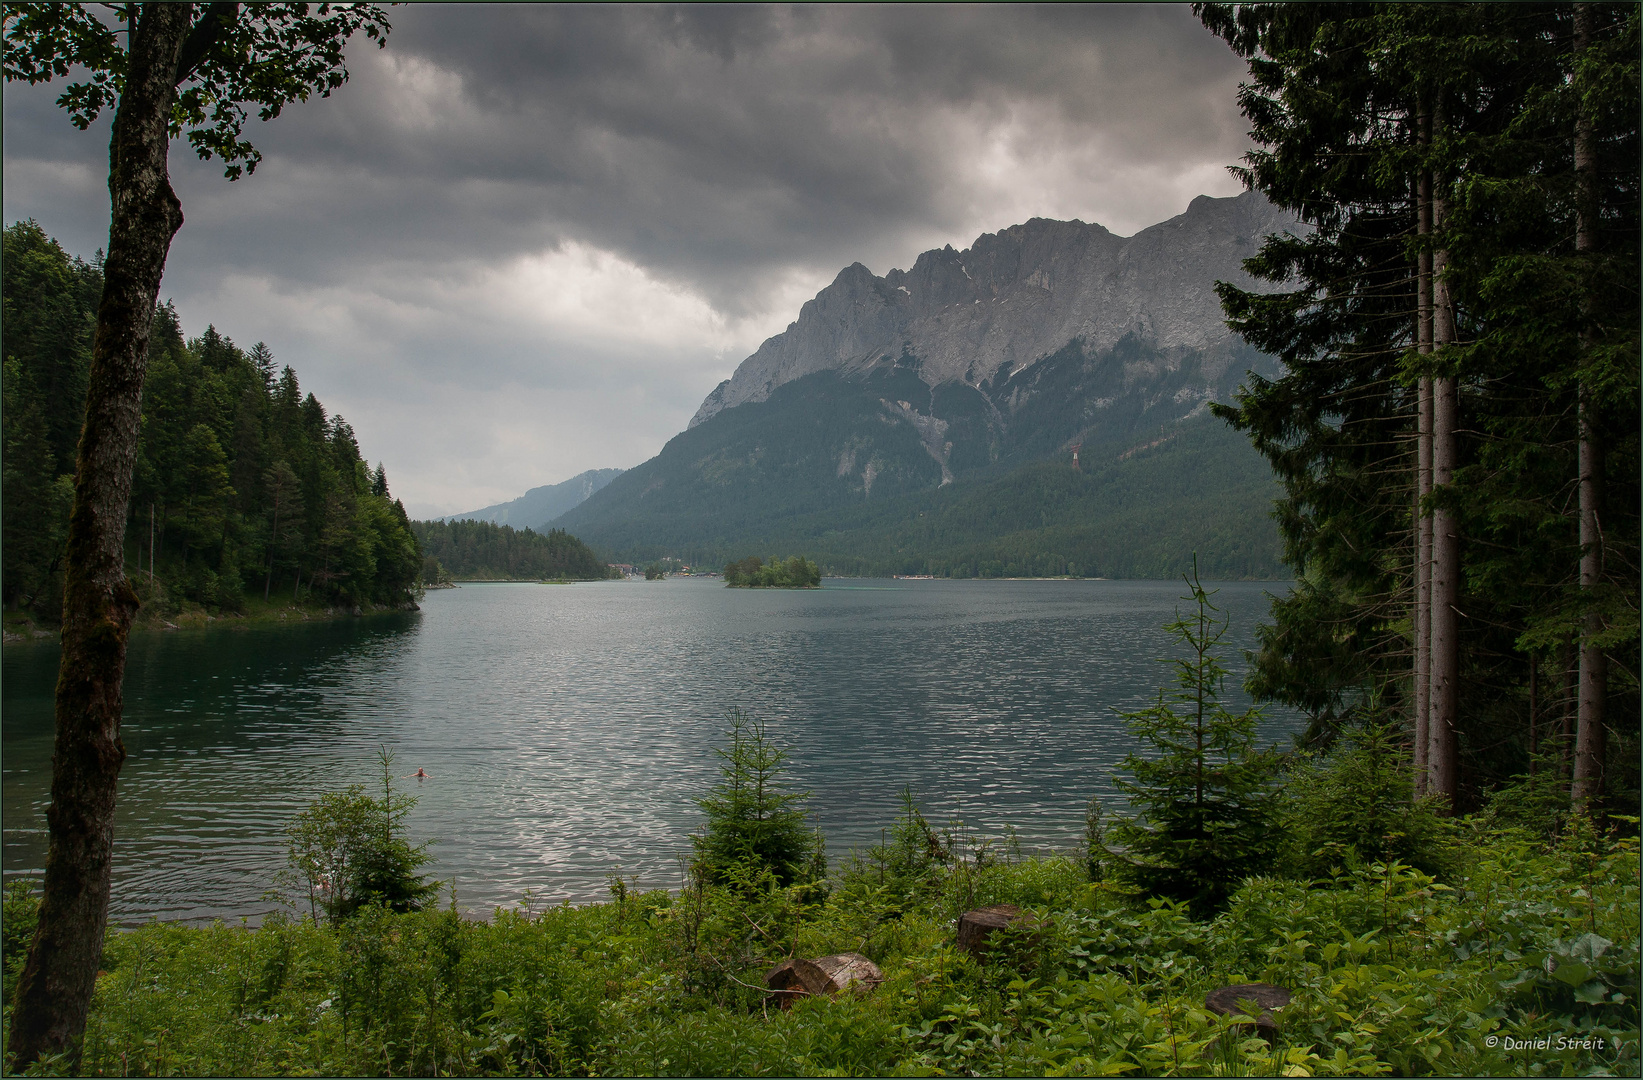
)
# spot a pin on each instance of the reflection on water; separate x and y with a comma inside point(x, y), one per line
point(565, 730)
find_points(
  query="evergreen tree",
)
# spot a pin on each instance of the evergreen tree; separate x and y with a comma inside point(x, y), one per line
point(486, 551)
point(751, 823)
point(234, 467)
point(1203, 794)
point(1431, 150)
point(1355, 807)
point(348, 850)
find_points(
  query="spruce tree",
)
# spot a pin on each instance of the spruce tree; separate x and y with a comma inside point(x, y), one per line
point(1203, 794)
point(751, 823)
point(1443, 299)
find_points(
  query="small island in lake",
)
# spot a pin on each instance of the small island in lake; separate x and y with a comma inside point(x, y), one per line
point(795, 572)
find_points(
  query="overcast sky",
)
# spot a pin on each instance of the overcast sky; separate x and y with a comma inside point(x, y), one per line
point(526, 241)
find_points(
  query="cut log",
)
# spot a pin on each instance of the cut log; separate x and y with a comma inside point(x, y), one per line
point(1266, 998)
point(975, 927)
point(844, 970)
point(797, 977)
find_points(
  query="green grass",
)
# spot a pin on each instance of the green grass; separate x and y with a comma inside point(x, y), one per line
point(1392, 973)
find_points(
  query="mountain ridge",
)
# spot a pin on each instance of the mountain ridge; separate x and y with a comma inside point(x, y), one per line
point(540, 505)
point(1069, 280)
point(971, 379)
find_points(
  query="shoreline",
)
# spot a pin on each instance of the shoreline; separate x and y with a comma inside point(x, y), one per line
point(25, 631)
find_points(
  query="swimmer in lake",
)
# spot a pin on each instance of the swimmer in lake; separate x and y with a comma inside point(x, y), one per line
point(420, 775)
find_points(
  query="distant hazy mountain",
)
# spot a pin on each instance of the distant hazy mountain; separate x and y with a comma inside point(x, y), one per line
point(540, 505)
point(905, 422)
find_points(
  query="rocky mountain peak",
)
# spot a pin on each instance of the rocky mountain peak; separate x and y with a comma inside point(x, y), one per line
point(1018, 295)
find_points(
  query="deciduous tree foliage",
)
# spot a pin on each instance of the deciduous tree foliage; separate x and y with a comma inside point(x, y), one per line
point(1357, 109)
point(166, 70)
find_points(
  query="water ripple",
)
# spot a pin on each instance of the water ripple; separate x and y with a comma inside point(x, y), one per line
point(566, 731)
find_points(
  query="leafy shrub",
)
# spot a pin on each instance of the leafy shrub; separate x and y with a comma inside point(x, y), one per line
point(1537, 803)
point(19, 914)
point(1357, 807)
point(1391, 972)
point(348, 850)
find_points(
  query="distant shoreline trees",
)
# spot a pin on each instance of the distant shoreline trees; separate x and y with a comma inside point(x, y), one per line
point(484, 551)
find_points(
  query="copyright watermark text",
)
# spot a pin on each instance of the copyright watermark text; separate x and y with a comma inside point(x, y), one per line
point(1550, 1042)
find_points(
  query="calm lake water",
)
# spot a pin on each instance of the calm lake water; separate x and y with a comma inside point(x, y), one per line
point(566, 730)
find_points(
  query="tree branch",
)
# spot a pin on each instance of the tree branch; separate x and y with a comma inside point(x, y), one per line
point(217, 18)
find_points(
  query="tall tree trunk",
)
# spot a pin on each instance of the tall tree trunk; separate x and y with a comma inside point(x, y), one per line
point(1443, 745)
point(1571, 691)
point(1423, 473)
point(273, 538)
point(55, 988)
point(1589, 734)
point(1534, 715)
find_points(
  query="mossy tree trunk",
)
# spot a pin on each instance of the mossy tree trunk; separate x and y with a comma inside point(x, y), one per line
point(55, 989)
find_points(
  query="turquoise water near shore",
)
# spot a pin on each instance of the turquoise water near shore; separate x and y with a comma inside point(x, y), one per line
point(565, 731)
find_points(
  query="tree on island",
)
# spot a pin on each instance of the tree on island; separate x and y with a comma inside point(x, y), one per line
point(796, 572)
point(183, 69)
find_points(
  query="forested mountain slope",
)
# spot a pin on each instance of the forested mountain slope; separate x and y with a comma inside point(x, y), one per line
point(244, 486)
point(928, 392)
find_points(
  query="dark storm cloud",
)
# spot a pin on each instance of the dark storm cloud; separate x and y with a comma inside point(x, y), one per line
point(736, 155)
point(717, 144)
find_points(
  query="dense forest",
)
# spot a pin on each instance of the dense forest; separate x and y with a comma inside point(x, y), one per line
point(481, 551)
point(1456, 425)
point(245, 489)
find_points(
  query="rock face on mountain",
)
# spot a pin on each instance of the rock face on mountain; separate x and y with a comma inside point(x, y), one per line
point(1015, 297)
point(1037, 404)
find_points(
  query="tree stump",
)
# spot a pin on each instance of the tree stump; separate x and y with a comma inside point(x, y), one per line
point(1264, 996)
point(975, 927)
point(844, 970)
point(797, 977)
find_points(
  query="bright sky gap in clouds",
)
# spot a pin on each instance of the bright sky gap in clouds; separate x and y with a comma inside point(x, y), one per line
point(525, 241)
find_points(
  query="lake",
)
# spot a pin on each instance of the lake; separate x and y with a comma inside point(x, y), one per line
point(565, 730)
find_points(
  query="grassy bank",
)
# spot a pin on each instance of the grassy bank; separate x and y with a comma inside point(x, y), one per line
point(1522, 961)
point(19, 627)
